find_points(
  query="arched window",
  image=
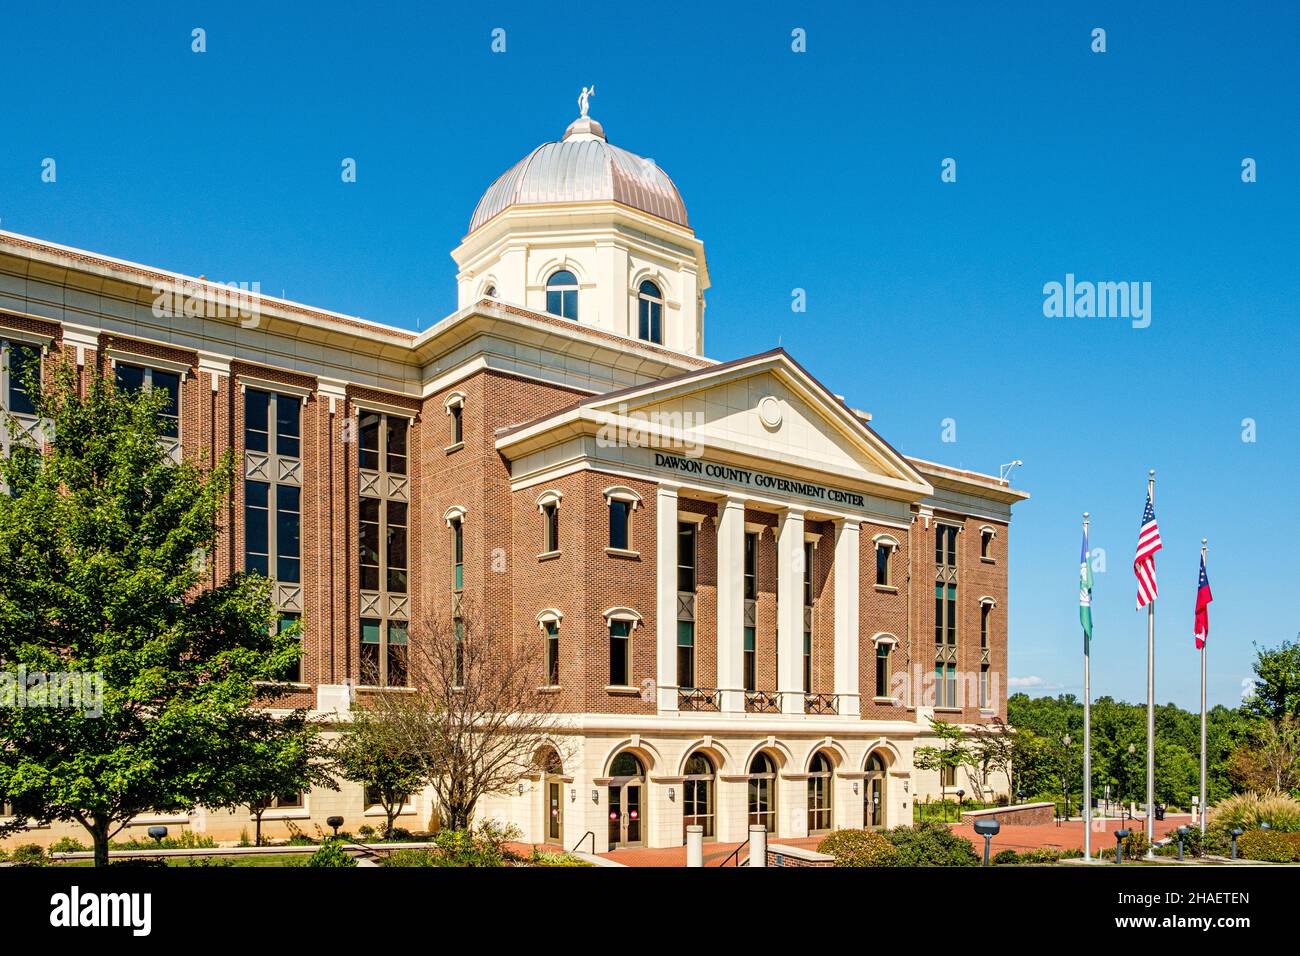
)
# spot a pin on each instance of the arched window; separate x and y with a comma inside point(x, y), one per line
point(762, 792)
point(562, 294)
point(490, 292)
point(697, 793)
point(650, 313)
point(820, 792)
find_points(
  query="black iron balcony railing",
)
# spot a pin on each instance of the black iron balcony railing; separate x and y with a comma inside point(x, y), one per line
point(762, 702)
point(699, 698)
point(821, 703)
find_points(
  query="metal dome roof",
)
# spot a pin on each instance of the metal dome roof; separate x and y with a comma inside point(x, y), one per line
point(583, 167)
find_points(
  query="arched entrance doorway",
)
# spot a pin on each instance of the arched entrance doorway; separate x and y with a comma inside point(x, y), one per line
point(698, 803)
point(626, 787)
point(821, 792)
point(552, 797)
point(874, 796)
point(762, 792)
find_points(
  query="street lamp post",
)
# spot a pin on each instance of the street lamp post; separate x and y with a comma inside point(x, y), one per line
point(1065, 777)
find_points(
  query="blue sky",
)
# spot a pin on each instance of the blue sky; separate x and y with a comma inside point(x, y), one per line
point(818, 171)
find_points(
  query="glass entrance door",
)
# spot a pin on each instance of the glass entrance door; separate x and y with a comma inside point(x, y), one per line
point(554, 813)
point(626, 824)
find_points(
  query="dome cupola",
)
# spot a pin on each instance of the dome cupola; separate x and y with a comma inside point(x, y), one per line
point(592, 233)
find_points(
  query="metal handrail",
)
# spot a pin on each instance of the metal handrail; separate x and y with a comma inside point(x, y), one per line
point(763, 702)
point(589, 833)
point(699, 698)
point(821, 703)
point(736, 853)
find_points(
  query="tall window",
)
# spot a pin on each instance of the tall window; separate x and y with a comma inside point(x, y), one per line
point(986, 543)
point(273, 500)
point(985, 611)
point(807, 617)
point(562, 294)
point(751, 566)
point(762, 792)
point(550, 527)
point(884, 551)
point(650, 312)
point(20, 361)
point(882, 669)
point(686, 557)
point(383, 653)
point(457, 424)
point(945, 614)
point(139, 378)
point(620, 653)
point(751, 670)
point(697, 793)
point(820, 793)
point(457, 554)
point(620, 515)
point(945, 545)
point(384, 520)
point(287, 620)
point(685, 653)
point(552, 653)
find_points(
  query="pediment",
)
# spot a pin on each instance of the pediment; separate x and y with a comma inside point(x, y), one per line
point(767, 412)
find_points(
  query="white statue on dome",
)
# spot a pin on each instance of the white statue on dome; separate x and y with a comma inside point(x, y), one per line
point(586, 94)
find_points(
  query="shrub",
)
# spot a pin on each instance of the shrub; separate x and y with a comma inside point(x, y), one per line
point(1248, 810)
point(400, 835)
point(931, 844)
point(1268, 846)
point(483, 846)
point(1042, 855)
point(331, 853)
point(546, 858)
point(188, 840)
point(68, 845)
point(366, 831)
point(858, 848)
point(29, 854)
point(410, 858)
point(140, 863)
point(1215, 842)
point(1006, 858)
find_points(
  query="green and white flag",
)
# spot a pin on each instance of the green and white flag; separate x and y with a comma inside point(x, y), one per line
point(1085, 587)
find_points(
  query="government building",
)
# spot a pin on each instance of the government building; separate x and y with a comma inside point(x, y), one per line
point(747, 603)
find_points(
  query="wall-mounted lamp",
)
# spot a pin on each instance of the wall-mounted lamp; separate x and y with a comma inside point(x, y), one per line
point(573, 794)
point(855, 787)
point(906, 789)
point(521, 788)
point(595, 796)
point(672, 794)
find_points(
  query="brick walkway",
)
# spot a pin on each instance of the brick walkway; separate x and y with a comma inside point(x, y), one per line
point(1067, 836)
point(714, 853)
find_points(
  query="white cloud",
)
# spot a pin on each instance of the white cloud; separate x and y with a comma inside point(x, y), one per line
point(1026, 682)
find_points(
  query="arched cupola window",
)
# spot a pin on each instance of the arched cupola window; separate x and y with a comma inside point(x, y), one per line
point(650, 313)
point(562, 294)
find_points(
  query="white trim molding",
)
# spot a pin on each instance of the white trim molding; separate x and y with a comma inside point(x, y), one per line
point(116, 355)
point(266, 385)
point(455, 513)
point(549, 616)
point(622, 614)
point(454, 400)
point(884, 637)
point(384, 408)
point(551, 496)
point(622, 493)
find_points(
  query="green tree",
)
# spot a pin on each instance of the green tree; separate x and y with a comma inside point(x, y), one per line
point(103, 539)
point(952, 753)
point(373, 751)
point(276, 760)
point(1277, 681)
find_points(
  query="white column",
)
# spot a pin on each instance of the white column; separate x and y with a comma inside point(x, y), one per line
point(789, 612)
point(847, 596)
point(731, 603)
point(666, 596)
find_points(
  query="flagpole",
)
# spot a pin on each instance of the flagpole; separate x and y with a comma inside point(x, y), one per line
point(1151, 699)
point(1087, 734)
point(1204, 643)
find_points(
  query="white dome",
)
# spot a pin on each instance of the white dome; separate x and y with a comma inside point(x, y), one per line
point(583, 167)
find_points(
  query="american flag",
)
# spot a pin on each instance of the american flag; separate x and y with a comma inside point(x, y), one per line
point(1144, 565)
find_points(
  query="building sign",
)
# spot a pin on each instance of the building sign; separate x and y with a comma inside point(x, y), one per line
point(757, 479)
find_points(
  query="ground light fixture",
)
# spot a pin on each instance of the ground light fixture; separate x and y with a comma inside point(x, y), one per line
point(1234, 833)
point(1182, 834)
point(157, 833)
point(988, 829)
point(1266, 825)
point(335, 823)
point(1120, 837)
